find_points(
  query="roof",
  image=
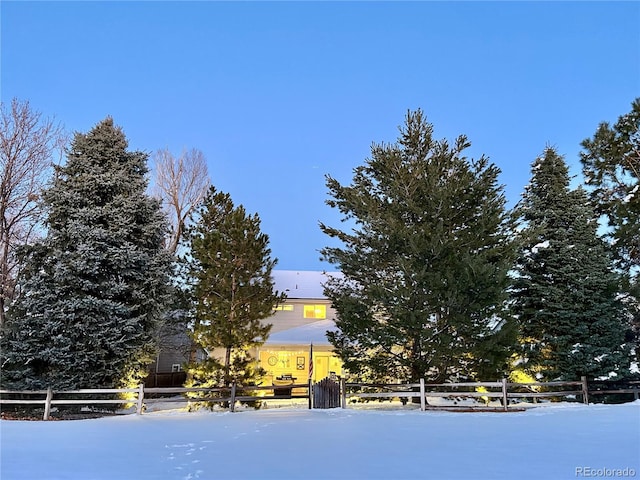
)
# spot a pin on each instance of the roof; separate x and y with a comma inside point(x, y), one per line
point(315, 333)
point(301, 284)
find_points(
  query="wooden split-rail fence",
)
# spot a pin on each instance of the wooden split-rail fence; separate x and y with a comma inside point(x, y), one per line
point(141, 396)
point(504, 391)
point(327, 393)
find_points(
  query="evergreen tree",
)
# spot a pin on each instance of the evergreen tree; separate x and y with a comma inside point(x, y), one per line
point(230, 276)
point(95, 286)
point(425, 264)
point(565, 293)
point(611, 166)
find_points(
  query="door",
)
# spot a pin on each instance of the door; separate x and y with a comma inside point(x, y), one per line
point(320, 367)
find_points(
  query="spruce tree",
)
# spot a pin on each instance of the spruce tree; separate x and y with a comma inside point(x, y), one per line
point(565, 293)
point(230, 269)
point(95, 286)
point(425, 264)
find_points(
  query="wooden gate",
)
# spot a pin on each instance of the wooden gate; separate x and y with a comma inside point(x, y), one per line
point(326, 394)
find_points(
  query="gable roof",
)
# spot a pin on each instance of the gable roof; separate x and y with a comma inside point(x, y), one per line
point(301, 284)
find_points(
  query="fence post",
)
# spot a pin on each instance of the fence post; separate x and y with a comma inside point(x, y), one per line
point(232, 405)
point(343, 391)
point(505, 396)
point(140, 399)
point(47, 403)
point(423, 400)
point(585, 390)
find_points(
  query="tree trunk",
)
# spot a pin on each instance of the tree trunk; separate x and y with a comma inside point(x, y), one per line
point(227, 356)
point(227, 366)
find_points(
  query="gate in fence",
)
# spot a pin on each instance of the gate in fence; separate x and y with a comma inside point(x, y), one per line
point(326, 394)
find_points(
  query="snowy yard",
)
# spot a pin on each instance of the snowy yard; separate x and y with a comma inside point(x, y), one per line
point(549, 442)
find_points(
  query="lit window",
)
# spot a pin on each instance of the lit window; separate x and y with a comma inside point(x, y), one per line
point(284, 308)
point(315, 311)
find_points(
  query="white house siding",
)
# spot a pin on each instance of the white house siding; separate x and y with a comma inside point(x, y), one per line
point(286, 320)
point(302, 288)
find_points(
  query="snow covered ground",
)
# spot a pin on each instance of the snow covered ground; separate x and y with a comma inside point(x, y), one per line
point(549, 442)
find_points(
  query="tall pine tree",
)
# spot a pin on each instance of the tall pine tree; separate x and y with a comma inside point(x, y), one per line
point(565, 293)
point(425, 265)
point(95, 286)
point(230, 269)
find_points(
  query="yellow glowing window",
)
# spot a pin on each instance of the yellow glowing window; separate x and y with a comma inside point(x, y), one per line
point(315, 311)
point(284, 308)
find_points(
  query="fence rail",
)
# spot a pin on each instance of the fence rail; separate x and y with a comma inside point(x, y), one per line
point(502, 390)
point(424, 390)
point(229, 395)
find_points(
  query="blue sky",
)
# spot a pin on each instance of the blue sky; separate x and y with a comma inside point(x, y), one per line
point(278, 94)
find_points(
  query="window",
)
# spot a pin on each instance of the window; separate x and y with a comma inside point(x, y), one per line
point(284, 308)
point(315, 311)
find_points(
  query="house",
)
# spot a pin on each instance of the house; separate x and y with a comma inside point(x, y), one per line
point(175, 348)
point(301, 321)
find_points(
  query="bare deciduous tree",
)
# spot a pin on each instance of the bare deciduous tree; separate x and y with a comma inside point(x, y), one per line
point(181, 183)
point(27, 144)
